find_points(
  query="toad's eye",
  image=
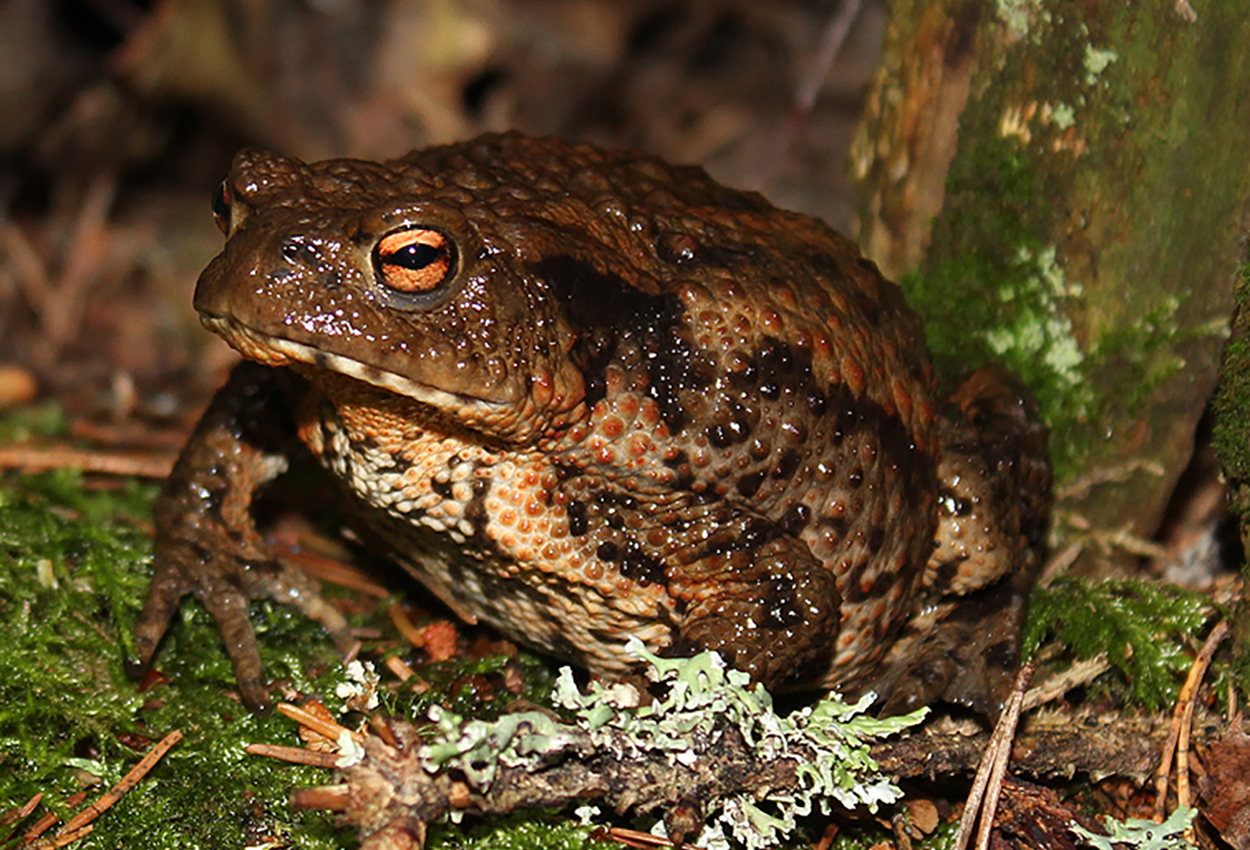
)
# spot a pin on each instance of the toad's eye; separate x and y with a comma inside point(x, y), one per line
point(221, 207)
point(415, 261)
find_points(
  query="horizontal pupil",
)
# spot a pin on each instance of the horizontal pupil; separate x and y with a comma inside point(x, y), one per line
point(415, 257)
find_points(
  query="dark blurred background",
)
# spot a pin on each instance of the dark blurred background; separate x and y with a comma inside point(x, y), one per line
point(119, 117)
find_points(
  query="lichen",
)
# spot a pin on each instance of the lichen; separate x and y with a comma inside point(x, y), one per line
point(1140, 834)
point(1096, 61)
point(703, 700)
point(1019, 15)
point(1062, 115)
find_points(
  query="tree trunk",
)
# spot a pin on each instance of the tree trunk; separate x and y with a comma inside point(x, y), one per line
point(1062, 188)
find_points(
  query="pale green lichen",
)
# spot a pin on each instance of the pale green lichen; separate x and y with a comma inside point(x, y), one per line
point(1043, 332)
point(1062, 116)
point(1096, 61)
point(1019, 15)
point(704, 699)
point(1140, 834)
point(479, 748)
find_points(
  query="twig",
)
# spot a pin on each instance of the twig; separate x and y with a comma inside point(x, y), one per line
point(323, 727)
point(391, 793)
point(836, 31)
point(1080, 673)
point(62, 310)
point(1182, 720)
point(16, 814)
point(986, 785)
point(1060, 562)
point(130, 780)
point(635, 838)
point(65, 840)
point(332, 571)
point(404, 626)
point(29, 459)
point(833, 37)
point(826, 838)
point(295, 755)
point(49, 820)
point(398, 668)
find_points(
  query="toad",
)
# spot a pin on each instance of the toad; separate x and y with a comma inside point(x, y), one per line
point(584, 395)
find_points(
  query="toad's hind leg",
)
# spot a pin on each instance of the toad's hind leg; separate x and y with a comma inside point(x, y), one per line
point(767, 605)
point(993, 516)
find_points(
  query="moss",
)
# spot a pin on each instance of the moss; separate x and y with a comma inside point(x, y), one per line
point(1143, 628)
point(474, 687)
point(74, 568)
point(1231, 439)
point(45, 419)
point(1016, 255)
point(528, 831)
point(1023, 313)
point(73, 571)
point(1231, 434)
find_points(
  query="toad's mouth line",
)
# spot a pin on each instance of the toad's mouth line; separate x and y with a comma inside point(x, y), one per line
point(277, 351)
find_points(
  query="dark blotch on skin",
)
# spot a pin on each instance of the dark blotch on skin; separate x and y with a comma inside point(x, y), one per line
point(718, 544)
point(787, 465)
point(870, 307)
point(795, 519)
point(578, 524)
point(823, 264)
point(638, 566)
point(718, 436)
point(756, 535)
point(746, 377)
point(605, 307)
point(780, 607)
point(946, 572)
point(1002, 655)
point(855, 592)
point(475, 513)
point(748, 485)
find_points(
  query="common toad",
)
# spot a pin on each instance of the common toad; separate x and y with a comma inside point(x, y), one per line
point(583, 395)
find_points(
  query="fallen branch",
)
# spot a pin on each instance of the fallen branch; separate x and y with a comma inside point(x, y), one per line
point(396, 781)
point(709, 755)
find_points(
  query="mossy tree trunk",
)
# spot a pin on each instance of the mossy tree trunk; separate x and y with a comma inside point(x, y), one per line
point(1062, 188)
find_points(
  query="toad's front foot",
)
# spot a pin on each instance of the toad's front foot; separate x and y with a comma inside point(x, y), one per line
point(206, 540)
point(772, 612)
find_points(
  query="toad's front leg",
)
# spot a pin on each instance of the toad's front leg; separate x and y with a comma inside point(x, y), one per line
point(206, 539)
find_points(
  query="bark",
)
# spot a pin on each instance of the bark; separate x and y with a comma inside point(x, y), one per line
point(1062, 188)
